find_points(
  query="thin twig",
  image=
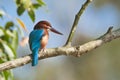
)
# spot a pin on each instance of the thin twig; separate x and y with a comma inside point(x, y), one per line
point(74, 51)
point(74, 26)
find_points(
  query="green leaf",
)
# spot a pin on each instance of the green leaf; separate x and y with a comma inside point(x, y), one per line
point(40, 2)
point(14, 40)
point(20, 10)
point(9, 51)
point(9, 34)
point(18, 2)
point(1, 32)
point(36, 5)
point(2, 76)
point(31, 15)
point(3, 58)
point(8, 75)
point(9, 24)
point(27, 3)
point(2, 13)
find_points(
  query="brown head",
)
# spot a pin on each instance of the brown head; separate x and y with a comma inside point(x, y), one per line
point(45, 25)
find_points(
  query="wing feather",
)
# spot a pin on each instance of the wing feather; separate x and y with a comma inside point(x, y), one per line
point(34, 39)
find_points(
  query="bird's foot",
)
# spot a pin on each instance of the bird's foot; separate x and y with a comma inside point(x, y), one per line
point(42, 51)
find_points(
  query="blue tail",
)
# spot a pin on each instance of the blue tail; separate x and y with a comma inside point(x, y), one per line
point(35, 57)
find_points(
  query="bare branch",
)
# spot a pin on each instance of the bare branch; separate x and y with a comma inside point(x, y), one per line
point(74, 26)
point(74, 51)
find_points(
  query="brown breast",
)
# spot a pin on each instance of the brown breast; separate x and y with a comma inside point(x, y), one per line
point(44, 39)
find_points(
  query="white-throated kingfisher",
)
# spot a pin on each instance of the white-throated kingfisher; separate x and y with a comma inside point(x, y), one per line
point(38, 38)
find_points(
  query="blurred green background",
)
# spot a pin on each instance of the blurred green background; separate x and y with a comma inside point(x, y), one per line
point(100, 64)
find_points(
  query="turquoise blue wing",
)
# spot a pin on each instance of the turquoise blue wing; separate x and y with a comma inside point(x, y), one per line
point(34, 42)
point(34, 39)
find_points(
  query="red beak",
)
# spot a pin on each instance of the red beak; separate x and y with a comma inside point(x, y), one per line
point(55, 31)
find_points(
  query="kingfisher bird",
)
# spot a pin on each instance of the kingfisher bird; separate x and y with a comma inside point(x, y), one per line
point(38, 39)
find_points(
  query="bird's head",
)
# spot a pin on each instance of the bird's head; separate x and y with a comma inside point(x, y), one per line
point(46, 25)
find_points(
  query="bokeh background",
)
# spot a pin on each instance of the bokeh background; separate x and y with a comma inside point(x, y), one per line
point(100, 64)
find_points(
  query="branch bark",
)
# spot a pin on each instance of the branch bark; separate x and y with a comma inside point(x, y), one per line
point(76, 51)
point(75, 23)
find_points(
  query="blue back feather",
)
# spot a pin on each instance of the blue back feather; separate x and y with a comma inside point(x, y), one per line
point(34, 42)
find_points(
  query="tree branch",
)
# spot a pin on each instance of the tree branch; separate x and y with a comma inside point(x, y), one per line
point(76, 51)
point(74, 26)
